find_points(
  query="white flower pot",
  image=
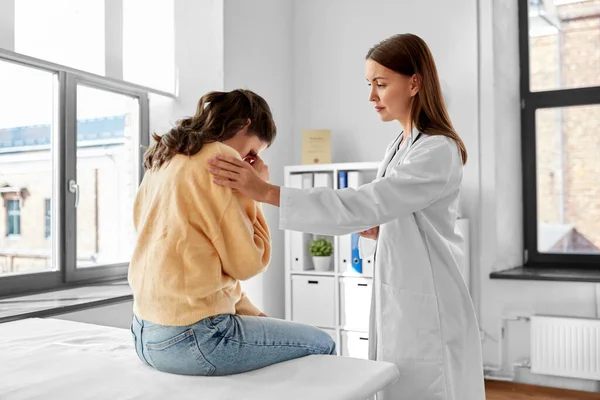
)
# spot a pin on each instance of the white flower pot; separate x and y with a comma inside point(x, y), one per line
point(322, 263)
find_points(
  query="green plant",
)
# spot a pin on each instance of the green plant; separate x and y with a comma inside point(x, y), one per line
point(321, 248)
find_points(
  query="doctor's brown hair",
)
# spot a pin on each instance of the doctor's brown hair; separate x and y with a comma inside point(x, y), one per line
point(219, 116)
point(408, 54)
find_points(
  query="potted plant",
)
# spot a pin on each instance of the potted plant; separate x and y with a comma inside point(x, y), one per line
point(321, 250)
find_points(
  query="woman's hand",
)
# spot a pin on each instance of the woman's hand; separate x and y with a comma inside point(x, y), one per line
point(259, 165)
point(370, 233)
point(244, 177)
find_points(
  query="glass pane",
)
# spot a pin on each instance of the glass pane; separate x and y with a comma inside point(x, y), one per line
point(568, 179)
point(67, 32)
point(28, 102)
point(564, 44)
point(149, 54)
point(107, 137)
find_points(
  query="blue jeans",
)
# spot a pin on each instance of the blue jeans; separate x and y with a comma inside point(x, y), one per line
point(226, 344)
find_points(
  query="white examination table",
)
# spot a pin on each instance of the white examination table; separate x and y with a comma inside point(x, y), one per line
point(55, 359)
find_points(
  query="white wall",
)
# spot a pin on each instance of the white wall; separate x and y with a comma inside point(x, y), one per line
point(331, 39)
point(198, 60)
point(259, 57)
point(7, 24)
point(502, 208)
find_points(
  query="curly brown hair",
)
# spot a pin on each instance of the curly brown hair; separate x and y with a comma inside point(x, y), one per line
point(219, 116)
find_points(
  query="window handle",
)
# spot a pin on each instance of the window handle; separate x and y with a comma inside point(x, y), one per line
point(74, 188)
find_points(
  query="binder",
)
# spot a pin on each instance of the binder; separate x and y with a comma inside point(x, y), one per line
point(299, 250)
point(322, 179)
point(307, 180)
point(367, 266)
point(342, 179)
point(355, 181)
point(296, 181)
point(356, 260)
point(345, 241)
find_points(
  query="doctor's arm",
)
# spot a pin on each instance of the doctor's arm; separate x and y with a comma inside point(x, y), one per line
point(414, 184)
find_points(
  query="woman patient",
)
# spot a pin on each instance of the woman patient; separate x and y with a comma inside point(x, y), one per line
point(198, 240)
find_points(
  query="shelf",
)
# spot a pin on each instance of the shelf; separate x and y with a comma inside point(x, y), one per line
point(313, 272)
point(330, 273)
point(357, 166)
point(351, 329)
point(351, 275)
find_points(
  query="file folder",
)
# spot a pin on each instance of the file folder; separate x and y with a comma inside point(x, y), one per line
point(323, 179)
point(345, 241)
point(299, 250)
point(355, 181)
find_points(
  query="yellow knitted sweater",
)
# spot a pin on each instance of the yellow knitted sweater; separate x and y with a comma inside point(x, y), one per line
point(196, 242)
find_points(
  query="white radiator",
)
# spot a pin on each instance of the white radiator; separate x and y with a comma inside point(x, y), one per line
point(565, 346)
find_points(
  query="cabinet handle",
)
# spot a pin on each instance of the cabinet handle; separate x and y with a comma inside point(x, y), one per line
point(363, 338)
point(363, 284)
point(313, 282)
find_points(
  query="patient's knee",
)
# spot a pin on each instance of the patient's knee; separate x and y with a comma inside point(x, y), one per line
point(333, 348)
point(327, 343)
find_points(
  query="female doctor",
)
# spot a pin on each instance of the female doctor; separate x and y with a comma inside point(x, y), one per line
point(422, 317)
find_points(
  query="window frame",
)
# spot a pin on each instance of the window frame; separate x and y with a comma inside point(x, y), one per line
point(64, 273)
point(530, 103)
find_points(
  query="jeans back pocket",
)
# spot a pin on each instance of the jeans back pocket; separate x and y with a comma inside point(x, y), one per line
point(179, 355)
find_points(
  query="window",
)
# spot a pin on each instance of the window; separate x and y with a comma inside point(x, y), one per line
point(47, 219)
point(106, 178)
point(13, 218)
point(130, 40)
point(71, 150)
point(560, 101)
point(29, 103)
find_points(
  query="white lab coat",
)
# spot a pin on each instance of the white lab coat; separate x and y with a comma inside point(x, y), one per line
point(422, 316)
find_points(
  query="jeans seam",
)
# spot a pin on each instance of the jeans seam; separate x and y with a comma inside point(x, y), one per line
point(312, 348)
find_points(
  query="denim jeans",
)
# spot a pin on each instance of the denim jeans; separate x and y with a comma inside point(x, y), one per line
point(226, 344)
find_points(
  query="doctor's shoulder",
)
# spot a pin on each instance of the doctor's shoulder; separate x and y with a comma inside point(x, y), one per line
point(441, 148)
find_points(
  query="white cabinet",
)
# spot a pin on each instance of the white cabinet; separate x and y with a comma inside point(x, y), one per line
point(355, 303)
point(313, 300)
point(355, 344)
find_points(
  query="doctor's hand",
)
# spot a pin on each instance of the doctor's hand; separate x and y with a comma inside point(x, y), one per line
point(244, 177)
point(370, 233)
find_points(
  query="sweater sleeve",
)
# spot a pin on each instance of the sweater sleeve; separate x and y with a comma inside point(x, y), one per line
point(244, 243)
point(245, 307)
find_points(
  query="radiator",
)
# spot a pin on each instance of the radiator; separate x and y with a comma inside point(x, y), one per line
point(565, 346)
